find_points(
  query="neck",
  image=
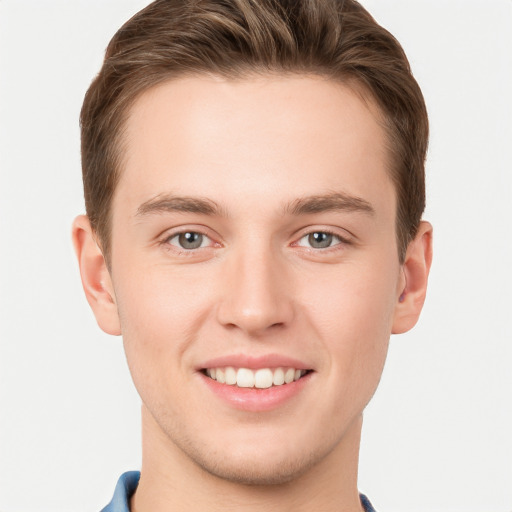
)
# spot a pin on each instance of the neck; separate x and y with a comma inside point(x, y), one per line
point(170, 480)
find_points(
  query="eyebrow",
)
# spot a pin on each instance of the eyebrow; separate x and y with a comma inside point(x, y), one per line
point(334, 201)
point(170, 203)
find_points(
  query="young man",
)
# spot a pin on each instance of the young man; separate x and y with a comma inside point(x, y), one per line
point(254, 184)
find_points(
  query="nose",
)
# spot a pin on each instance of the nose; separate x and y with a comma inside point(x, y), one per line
point(256, 293)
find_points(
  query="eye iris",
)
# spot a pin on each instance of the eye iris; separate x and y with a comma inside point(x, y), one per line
point(320, 240)
point(190, 240)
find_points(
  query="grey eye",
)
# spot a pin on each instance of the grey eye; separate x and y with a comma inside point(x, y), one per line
point(189, 240)
point(320, 240)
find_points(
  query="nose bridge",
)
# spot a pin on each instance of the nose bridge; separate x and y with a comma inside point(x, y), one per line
point(256, 293)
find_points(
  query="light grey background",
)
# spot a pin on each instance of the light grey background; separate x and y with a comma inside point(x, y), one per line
point(438, 435)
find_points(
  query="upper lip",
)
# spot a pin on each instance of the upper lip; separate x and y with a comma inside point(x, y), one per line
point(255, 362)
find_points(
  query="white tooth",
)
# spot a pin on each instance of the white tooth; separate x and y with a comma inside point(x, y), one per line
point(230, 376)
point(263, 378)
point(278, 378)
point(220, 375)
point(297, 375)
point(245, 378)
point(289, 375)
point(212, 373)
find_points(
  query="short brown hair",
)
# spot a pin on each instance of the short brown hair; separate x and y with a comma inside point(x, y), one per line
point(337, 39)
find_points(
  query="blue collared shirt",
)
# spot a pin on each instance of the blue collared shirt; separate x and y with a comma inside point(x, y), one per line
point(128, 482)
point(125, 488)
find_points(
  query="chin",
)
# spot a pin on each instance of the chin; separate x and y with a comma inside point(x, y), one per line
point(252, 455)
point(256, 462)
point(264, 472)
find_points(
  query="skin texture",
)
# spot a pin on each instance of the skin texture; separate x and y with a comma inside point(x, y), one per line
point(256, 286)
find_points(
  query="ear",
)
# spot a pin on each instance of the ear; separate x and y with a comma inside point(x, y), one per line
point(95, 276)
point(416, 268)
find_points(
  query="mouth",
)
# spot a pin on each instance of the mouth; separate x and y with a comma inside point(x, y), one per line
point(261, 378)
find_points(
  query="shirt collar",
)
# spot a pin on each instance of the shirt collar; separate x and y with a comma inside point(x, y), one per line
point(128, 482)
point(125, 488)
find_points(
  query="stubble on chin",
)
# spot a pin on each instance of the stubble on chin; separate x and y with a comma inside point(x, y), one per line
point(257, 470)
point(263, 473)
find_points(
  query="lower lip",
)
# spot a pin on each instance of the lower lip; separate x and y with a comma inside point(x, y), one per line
point(255, 399)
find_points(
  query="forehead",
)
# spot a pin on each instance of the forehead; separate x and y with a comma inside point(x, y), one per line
point(278, 137)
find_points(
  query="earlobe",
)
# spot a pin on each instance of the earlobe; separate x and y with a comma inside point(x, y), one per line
point(95, 276)
point(416, 269)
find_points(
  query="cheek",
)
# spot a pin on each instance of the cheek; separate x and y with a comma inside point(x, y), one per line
point(353, 313)
point(158, 299)
point(159, 314)
point(353, 300)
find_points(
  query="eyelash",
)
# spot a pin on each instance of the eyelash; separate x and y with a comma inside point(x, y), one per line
point(341, 241)
point(166, 241)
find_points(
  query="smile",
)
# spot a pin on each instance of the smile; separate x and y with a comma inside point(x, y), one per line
point(262, 378)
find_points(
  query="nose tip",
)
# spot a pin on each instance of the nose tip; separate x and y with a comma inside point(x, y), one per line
point(254, 320)
point(257, 297)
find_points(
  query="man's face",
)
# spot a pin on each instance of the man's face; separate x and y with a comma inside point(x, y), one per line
point(253, 227)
